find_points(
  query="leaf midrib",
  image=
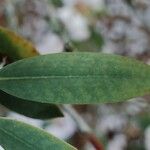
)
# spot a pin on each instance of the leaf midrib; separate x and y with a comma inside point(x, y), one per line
point(69, 76)
point(18, 139)
point(65, 76)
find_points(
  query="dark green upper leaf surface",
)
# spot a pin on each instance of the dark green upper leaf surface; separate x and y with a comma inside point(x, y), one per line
point(15, 135)
point(79, 78)
point(14, 46)
point(30, 109)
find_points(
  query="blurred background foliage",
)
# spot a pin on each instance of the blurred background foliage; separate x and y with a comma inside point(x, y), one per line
point(109, 26)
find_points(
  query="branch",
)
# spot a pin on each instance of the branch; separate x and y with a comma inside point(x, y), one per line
point(82, 126)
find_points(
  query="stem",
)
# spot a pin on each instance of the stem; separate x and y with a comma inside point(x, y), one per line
point(94, 141)
point(82, 126)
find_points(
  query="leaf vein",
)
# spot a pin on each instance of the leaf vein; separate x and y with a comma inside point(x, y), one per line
point(19, 139)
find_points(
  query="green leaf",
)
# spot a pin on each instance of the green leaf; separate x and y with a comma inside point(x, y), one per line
point(14, 46)
point(78, 78)
point(93, 44)
point(143, 120)
point(15, 135)
point(30, 109)
point(56, 3)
